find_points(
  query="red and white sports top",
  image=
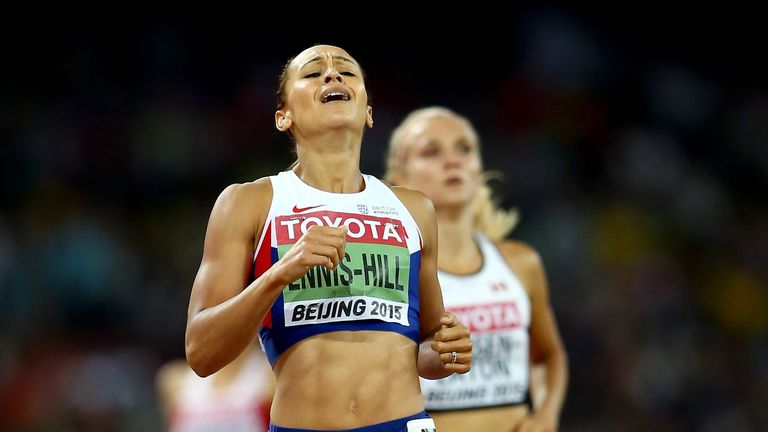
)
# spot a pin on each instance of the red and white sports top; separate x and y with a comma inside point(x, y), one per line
point(242, 406)
point(493, 304)
point(375, 286)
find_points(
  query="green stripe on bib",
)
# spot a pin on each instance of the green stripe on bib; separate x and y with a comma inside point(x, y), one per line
point(372, 270)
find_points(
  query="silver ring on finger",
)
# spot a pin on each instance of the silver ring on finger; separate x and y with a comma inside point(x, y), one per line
point(454, 356)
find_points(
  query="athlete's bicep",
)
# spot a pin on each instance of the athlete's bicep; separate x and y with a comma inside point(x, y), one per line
point(228, 251)
point(431, 303)
point(545, 336)
point(430, 295)
point(527, 264)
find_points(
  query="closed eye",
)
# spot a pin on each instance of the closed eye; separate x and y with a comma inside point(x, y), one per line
point(463, 146)
point(312, 75)
point(348, 74)
point(430, 152)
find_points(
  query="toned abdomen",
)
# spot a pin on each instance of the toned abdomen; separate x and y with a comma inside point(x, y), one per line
point(348, 379)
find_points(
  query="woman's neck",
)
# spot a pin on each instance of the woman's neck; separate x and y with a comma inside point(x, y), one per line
point(331, 164)
point(458, 252)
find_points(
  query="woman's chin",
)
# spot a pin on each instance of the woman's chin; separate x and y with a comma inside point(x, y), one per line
point(450, 204)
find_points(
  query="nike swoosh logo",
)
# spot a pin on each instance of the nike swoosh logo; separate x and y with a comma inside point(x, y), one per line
point(297, 209)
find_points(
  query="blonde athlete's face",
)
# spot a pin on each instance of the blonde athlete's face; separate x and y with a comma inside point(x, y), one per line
point(442, 160)
point(325, 90)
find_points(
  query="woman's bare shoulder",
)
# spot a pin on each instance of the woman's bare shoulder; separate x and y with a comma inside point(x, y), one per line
point(518, 251)
point(256, 193)
point(522, 258)
point(413, 200)
point(243, 202)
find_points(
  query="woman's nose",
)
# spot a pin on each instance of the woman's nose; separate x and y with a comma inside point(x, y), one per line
point(452, 159)
point(332, 74)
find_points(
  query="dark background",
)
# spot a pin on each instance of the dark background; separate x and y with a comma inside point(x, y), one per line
point(634, 143)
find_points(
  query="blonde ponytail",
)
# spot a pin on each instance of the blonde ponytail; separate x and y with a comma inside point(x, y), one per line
point(491, 220)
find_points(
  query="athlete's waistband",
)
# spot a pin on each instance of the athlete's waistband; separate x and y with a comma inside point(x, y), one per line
point(526, 404)
point(399, 425)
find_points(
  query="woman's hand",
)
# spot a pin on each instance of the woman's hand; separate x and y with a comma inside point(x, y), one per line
point(320, 245)
point(453, 345)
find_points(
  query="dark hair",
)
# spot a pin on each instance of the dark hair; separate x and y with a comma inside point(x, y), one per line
point(281, 84)
point(281, 94)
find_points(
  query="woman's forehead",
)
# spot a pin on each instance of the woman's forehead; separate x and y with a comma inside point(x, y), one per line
point(320, 53)
point(440, 127)
point(437, 123)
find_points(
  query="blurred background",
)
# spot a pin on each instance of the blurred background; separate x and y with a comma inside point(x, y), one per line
point(634, 144)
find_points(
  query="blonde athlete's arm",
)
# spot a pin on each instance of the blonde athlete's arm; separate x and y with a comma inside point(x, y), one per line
point(545, 342)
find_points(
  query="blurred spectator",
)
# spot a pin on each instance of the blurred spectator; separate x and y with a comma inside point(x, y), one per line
point(635, 151)
point(236, 398)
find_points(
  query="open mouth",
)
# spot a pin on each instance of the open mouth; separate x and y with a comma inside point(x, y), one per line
point(335, 94)
point(454, 181)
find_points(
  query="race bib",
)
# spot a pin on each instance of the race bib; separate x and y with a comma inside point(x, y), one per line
point(421, 425)
point(371, 281)
point(499, 374)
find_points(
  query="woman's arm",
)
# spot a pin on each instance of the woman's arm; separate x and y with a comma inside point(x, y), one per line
point(224, 310)
point(441, 332)
point(224, 314)
point(546, 344)
point(168, 384)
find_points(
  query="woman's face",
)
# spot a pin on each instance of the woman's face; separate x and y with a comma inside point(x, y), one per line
point(442, 160)
point(325, 90)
